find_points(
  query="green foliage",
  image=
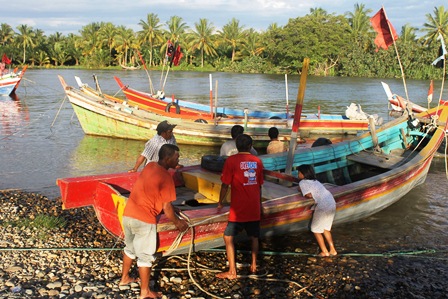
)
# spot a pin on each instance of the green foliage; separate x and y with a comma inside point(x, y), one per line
point(39, 222)
point(337, 45)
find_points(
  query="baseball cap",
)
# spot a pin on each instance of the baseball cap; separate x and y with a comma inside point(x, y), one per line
point(164, 126)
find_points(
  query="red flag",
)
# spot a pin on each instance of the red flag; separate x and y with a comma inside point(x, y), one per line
point(386, 32)
point(177, 56)
point(141, 59)
point(5, 59)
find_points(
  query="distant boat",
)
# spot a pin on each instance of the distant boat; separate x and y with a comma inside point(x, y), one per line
point(130, 68)
point(9, 81)
point(316, 124)
point(365, 175)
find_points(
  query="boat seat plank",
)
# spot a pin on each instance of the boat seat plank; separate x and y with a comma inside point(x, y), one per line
point(378, 160)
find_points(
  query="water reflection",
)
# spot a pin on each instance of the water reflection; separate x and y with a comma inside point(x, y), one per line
point(14, 115)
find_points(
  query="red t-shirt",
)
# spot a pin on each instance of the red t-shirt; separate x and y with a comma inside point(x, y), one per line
point(153, 188)
point(244, 173)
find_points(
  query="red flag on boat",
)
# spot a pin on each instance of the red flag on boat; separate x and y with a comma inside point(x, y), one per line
point(5, 59)
point(177, 56)
point(430, 91)
point(386, 32)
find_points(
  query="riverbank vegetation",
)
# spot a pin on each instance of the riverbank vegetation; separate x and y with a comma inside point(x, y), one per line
point(337, 45)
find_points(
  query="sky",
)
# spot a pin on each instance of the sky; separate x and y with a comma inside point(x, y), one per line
point(70, 16)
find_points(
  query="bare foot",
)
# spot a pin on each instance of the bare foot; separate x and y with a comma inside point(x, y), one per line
point(227, 275)
point(333, 253)
point(323, 254)
point(151, 294)
point(253, 269)
point(128, 281)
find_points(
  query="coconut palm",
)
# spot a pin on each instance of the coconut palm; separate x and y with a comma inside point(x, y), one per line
point(436, 24)
point(151, 33)
point(125, 40)
point(106, 35)
point(252, 45)
point(359, 23)
point(233, 35)
point(6, 34)
point(202, 39)
point(25, 39)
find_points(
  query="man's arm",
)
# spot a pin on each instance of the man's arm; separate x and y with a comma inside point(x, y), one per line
point(168, 209)
point(222, 194)
point(139, 162)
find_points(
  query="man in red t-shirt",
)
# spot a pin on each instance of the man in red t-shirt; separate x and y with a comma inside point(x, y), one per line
point(153, 192)
point(243, 172)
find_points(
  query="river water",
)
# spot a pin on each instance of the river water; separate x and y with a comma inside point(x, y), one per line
point(41, 139)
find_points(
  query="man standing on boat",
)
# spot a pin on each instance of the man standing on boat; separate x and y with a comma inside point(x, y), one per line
point(228, 148)
point(152, 193)
point(150, 153)
point(243, 172)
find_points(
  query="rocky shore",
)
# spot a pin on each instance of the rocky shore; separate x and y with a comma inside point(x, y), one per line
point(81, 260)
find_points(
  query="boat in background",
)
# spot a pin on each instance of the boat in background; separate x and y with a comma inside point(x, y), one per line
point(314, 123)
point(365, 175)
point(104, 115)
point(9, 81)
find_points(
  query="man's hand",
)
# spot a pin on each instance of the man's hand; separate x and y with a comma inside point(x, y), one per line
point(182, 225)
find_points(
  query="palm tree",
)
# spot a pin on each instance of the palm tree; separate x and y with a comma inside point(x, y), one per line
point(408, 33)
point(124, 41)
point(359, 22)
point(233, 34)
point(151, 33)
point(176, 31)
point(202, 39)
point(437, 24)
point(252, 45)
point(106, 35)
point(25, 38)
point(6, 34)
point(89, 38)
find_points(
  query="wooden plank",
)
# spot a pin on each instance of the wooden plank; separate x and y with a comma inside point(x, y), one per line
point(378, 160)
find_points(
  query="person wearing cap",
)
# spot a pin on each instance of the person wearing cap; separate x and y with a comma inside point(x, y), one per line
point(150, 153)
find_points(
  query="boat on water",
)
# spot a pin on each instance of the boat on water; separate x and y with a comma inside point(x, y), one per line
point(365, 175)
point(10, 80)
point(104, 115)
point(313, 123)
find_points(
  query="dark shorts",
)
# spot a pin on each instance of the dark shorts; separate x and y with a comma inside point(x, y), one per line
point(252, 228)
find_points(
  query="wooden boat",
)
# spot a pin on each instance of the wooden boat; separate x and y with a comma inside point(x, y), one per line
point(315, 123)
point(130, 68)
point(365, 175)
point(10, 81)
point(104, 115)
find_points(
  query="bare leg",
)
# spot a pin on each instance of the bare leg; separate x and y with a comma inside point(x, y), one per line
point(321, 242)
point(329, 238)
point(255, 245)
point(230, 250)
point(145, 276)
point(125, 278)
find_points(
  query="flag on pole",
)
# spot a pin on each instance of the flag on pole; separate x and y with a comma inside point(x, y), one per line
point(442, 52)
point(430, 91)
point(5, 59)
point(177, 56)
point(386, 32)
point(169, 49)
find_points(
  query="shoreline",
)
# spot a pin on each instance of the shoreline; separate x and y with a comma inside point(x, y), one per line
point(82, 260)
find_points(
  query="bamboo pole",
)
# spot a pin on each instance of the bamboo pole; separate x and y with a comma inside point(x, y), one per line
point(297, 115)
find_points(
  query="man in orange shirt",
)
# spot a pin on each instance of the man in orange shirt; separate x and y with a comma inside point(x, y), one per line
point(153, 192)
point(243, 172)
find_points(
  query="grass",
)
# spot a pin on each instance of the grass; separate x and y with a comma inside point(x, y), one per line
point(40, 222)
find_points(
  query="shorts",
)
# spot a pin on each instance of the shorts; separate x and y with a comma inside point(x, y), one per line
point(252, 228)
point(141, 241)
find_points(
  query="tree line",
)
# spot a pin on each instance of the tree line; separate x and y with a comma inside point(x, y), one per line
point(337, 45)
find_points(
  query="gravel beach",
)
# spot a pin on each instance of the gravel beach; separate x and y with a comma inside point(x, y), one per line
point(81, 260)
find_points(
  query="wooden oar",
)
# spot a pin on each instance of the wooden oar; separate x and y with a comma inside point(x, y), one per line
point(297, 114)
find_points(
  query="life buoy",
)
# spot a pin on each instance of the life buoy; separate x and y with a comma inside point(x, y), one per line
point(200, 120)
point(169, 105)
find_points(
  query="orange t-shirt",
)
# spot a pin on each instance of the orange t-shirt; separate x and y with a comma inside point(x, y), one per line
point(153, 188)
